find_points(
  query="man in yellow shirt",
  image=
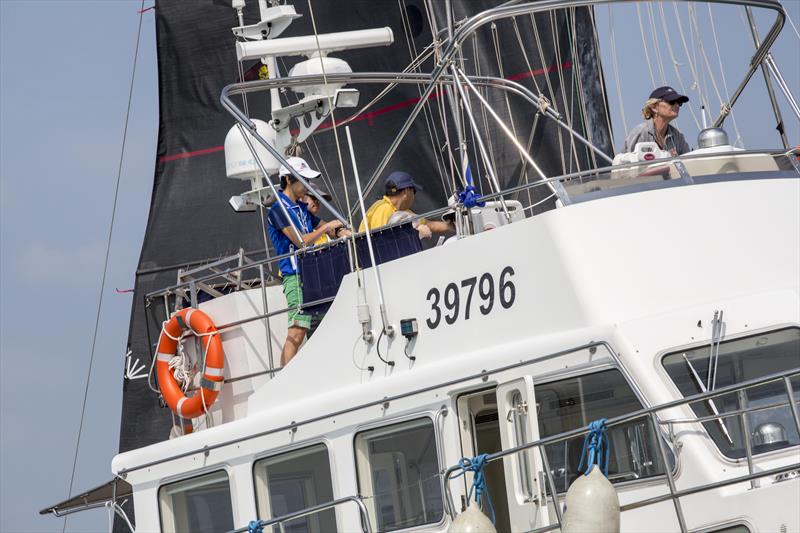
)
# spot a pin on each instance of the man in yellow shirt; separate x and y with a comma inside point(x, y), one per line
point(400, 192)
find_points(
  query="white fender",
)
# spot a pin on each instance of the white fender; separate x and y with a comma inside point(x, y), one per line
point(592, 505)
point(472, 520)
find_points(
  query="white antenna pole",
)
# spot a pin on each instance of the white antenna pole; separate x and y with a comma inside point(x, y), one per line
point(238, 5)
point(388, 330)
point(703, 116)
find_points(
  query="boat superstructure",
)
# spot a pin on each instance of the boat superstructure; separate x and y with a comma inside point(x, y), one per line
point(662, 295)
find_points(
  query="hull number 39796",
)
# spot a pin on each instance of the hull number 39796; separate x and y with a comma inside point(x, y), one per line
point(455, 301)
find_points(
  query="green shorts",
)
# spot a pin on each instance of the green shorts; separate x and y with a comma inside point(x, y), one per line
point(294, 298)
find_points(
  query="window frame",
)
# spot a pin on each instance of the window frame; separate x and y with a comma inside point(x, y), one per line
point(673, 387)
point(224, 468)
point(602, 365)
point(395, 421)
point(285, 450)
point(720, 526)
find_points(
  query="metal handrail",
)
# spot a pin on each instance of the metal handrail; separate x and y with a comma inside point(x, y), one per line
point(651, 413)
point(171, 289)
point(366, 527)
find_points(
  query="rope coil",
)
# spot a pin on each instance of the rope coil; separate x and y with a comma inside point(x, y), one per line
point(596, 447)
point(475, 465)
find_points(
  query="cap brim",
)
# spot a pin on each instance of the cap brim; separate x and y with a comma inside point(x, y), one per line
point(310, 174)
point(417, 187)
point(307, 175)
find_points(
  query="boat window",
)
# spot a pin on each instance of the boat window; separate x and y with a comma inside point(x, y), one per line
point(574, 402)
point(201, 504)
point(742, 360)
point(295, 481)
point(398, 475)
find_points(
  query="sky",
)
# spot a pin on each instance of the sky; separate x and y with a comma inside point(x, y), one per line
point(65, 70)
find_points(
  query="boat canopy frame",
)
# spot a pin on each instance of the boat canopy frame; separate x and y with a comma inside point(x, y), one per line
point(452, 45)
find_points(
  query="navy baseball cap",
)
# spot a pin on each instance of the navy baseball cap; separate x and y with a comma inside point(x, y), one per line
point(668, 94)
point(399, 180)
point(320, 190)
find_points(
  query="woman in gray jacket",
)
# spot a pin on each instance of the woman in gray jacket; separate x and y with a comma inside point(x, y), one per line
point(659, 110)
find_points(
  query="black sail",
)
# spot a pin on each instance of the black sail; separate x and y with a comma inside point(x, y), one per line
point(190, 221)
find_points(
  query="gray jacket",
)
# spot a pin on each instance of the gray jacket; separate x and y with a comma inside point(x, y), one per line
point(646, 132)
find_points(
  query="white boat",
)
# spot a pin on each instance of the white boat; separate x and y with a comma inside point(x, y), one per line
point(662, 295)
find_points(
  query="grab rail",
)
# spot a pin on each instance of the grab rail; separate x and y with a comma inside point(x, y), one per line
point(279, 521)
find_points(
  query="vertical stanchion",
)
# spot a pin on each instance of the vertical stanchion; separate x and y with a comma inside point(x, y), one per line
point(266, 319)
point(662, 449)
point(787, 382)
point(551, 483)
point(748, 446)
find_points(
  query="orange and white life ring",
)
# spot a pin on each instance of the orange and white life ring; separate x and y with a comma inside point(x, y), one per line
point(189, 407)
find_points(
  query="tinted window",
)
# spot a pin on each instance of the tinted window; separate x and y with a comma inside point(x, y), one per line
point(574, 402)
point(398, 475)
point(295, 481)
point(197, 505)
point(742, 360)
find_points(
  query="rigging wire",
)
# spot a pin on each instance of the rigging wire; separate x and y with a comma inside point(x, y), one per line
point(577, 75)
point(440, 104)
point(791, 23)
point(498, 57)
point(553, 99)
point(656, 47)
point(333, 114)
point(427, 112)
point(692, 67)
point(644, 44)
point(738, 140)
point(696, 29)
point(105, 263)
point(675, 63)
point(615, 65)
point(484, 119)
point(569, 109)
point(598, 57)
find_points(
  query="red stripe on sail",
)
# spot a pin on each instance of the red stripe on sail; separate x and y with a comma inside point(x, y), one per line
point(369, 116)
point(184, 155)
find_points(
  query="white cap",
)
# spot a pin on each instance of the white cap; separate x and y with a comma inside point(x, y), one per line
point(300, 166)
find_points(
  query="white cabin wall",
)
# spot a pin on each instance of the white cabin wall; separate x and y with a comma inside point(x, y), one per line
point(602, 262)
point(644, 254)
point(582, 273)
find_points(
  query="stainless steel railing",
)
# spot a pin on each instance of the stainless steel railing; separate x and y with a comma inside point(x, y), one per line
point(651, 413)
point(281, 520)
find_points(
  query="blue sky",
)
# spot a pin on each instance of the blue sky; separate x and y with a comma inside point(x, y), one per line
point(65, 70)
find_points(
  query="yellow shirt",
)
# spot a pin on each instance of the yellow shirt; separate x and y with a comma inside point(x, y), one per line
point(379, 214)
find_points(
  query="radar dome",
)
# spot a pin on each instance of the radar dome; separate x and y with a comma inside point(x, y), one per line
point(239, 161)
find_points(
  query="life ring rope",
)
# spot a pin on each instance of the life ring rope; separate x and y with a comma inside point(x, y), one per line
point(184, 322)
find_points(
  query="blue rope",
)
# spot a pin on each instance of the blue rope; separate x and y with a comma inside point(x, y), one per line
point(255, 527)
point(596, 447)
point(469, 197)
point(475, 465)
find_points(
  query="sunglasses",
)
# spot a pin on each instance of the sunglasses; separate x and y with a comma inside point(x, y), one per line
point(676, 102)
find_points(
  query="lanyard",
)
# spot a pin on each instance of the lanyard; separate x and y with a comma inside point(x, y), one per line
point(300, 215)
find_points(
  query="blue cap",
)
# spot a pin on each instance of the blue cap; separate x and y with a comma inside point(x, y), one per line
point(399, 180)
point(668, 94)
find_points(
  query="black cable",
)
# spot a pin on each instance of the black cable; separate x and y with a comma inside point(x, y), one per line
point(105, 265)
point(405, 351)
point(378, 349)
